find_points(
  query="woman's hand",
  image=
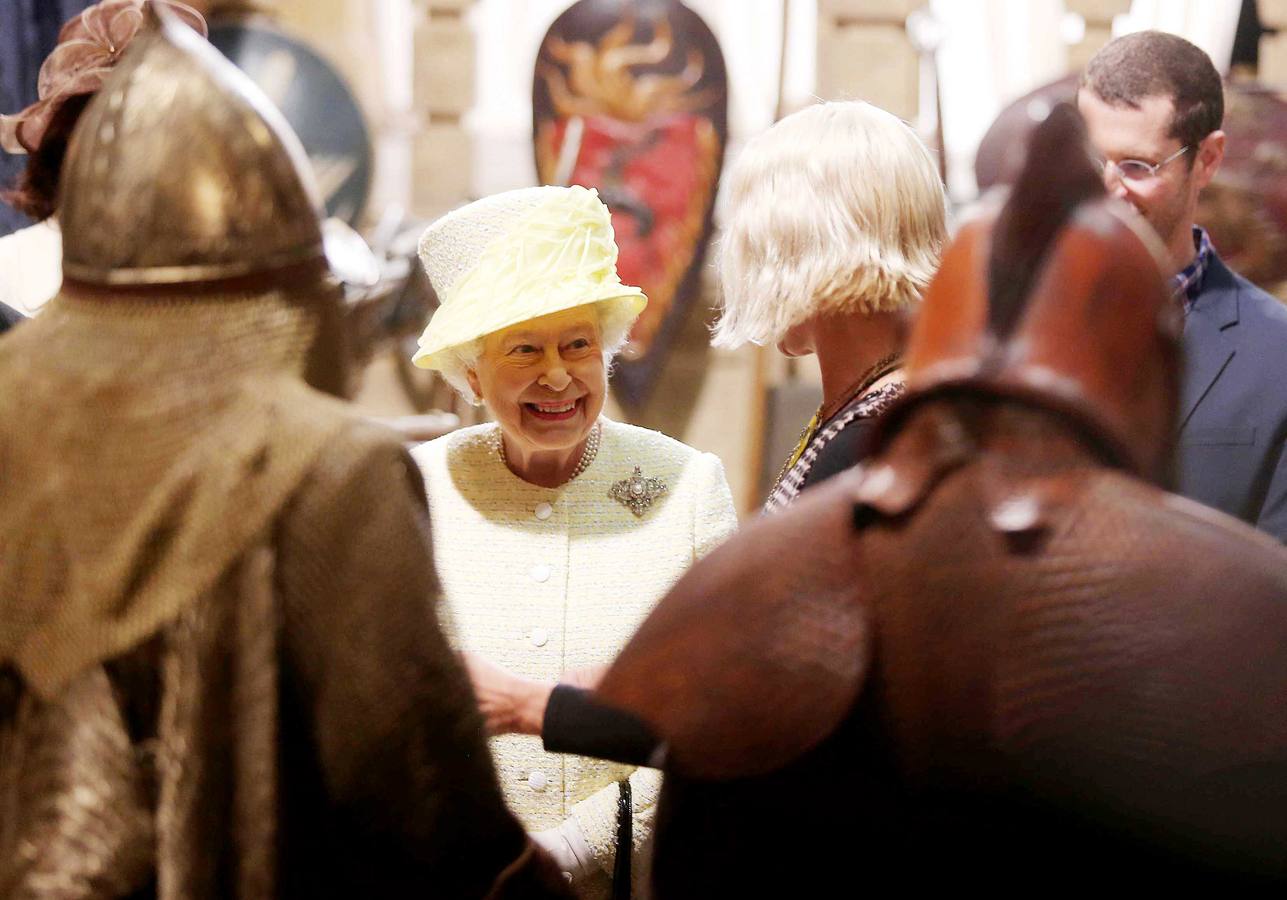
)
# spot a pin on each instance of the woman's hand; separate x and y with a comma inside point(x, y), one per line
point(566, 845)
point(509, 704)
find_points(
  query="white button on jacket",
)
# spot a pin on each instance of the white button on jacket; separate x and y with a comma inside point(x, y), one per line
point(540, 572)
point(544, 511)
point(539, 637)
point(537, 781)
point(488, 539)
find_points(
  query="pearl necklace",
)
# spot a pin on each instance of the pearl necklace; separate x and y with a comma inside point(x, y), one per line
point(587, 455)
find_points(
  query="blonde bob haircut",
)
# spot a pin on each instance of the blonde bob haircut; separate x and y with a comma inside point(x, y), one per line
point(837, 208)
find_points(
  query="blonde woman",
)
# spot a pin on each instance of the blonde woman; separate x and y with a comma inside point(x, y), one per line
point(555, 529)
point(835, 223)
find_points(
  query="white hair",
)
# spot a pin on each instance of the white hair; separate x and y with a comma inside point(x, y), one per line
point(837, 208)
point(614, 321)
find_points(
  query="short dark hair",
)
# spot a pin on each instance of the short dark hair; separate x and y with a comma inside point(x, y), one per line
point(1152, 64)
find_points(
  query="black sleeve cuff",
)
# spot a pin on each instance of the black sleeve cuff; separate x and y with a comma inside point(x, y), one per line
point(575, 723)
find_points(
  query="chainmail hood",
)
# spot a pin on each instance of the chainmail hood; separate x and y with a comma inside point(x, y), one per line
point(157, 415)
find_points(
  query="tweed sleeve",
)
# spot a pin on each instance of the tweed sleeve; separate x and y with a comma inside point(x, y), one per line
point(714, 516)
point(371, 682)
point(596, 816)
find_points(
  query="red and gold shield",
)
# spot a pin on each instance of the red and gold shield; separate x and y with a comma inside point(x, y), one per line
point(631, 98)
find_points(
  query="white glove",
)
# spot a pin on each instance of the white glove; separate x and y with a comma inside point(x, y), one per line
point(566, 845)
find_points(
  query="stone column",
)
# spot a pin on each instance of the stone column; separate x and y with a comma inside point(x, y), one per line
point(442, 158)
point(1273, 47)
point(864, 53)
point(1098, 16)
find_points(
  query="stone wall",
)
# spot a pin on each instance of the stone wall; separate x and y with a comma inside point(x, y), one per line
point(1098, 16)
point(864, 53)
point(443, 92)
point(1273, 47)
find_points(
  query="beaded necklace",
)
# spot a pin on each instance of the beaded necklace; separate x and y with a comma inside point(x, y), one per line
point(587, 455)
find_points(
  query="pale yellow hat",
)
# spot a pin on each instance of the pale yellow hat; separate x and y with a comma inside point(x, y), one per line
point(512, 257)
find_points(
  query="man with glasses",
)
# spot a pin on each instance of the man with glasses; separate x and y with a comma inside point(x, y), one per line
point(1153, 105)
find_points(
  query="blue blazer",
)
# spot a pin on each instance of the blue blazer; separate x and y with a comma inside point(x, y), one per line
point(1233, 407)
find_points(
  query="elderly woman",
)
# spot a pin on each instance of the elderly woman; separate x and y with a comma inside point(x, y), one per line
point(555, 528)
point(834, 225)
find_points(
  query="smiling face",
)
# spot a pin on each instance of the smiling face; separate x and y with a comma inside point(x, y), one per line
point(544, 380)
point(1168, 199)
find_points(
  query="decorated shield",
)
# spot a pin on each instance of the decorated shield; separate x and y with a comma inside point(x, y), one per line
point(631, 98)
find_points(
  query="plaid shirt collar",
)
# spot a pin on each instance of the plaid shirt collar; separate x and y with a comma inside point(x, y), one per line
point(1186, 284)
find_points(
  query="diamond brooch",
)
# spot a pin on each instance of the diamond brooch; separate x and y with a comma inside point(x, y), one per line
point(638, 491)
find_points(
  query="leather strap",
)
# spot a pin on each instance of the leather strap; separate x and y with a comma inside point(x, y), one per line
point(625, 841)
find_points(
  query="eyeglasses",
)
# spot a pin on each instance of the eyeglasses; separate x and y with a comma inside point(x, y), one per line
point(1137, 170)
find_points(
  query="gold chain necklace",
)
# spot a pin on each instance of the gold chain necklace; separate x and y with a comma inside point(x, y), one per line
point(874, 373)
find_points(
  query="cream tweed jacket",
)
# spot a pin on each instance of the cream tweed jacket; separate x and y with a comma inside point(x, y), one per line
point(545, 580)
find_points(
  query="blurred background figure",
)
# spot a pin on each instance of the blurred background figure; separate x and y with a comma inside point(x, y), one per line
point(555, 528)
point(1154, 106)
point(221, 672)
point(835, 221)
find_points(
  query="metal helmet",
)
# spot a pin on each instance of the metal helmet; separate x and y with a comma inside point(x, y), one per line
point(182, 172)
